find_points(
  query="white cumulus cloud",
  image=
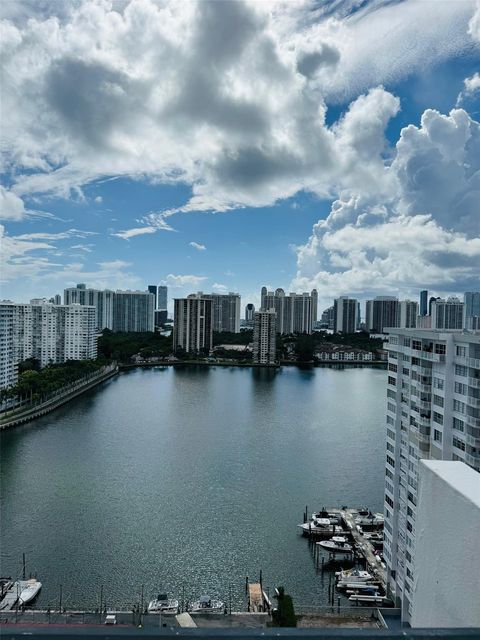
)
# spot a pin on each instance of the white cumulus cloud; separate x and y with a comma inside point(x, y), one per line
point(198, 246)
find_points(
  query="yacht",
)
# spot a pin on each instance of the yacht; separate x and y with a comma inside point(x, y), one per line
point(370, 520)
point(30, 589)
point(320, 525)
point(337, 544)
point(205, 604)
point(353, 575)
point(163, 604)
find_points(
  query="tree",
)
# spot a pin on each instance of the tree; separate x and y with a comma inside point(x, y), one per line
point(305, 348)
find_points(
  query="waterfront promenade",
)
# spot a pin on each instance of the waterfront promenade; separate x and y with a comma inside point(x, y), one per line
point(22, 415)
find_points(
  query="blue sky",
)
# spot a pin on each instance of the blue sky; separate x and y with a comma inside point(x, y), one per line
point(298, 147)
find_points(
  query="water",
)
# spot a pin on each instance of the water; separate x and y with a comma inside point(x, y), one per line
point(189, 478)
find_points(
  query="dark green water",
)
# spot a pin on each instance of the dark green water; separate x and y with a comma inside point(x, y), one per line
point(189, 477)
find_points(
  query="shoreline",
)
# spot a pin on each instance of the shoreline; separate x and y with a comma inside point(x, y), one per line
point(283, 363)
point(22, 417)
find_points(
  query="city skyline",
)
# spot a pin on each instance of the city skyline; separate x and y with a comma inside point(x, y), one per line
point(88, 198)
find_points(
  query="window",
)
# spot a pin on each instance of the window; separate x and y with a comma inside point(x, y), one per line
point(437, 436)
point(439, 401)
point(392, 381)
point(417, 345)
point(461, 351)
point(390, 420)
point(438, 383)
point(390, 393)
point(391, 407)
point(390, 461)
point(406, 342)
point(393, 340)
point(388, 473)
point(458, 424)
point(392, 367)
point(405, 372)
point(440, 349)
point(460, 388)
point(458, 443)
point(459, 406)
point(388, 500)
point(437, 417)
point(460, 370)
point(390, 447)
point(391, 434)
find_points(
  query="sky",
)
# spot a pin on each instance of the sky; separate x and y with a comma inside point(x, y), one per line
point(223, 146)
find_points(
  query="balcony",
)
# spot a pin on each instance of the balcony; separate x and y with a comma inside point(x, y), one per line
point(474, 382)
point(473, 442)
point(473, 402)
point(472, 422)
point(433, 357)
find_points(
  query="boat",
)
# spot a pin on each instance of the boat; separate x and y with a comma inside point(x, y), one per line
point(370, 520)
point(333, 517)
point(358, 586)
point(337, 544)
point(163, 604)
point(367, 599)
point(353, 575)
point(320, 525)
point(29, 591)
point(205, 604)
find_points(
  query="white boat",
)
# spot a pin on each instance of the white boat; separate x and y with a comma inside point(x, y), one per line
point(205, 604)
point(30, 589)
point(320, 525)
point(353, 575)
point(163, 604)
point(371, 520)
point(333, 517)
point(337, 544)
point(364, 599)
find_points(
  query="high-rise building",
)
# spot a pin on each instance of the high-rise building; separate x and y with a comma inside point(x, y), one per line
point(314, 296)
point(152, 288)
point(161, 317)
point(327, 317)
point(423, 302)
point(56, 299)
point(193, 324)
point(471, 300)
point(102, 300)
point(345, 315)
point(133, 311)
point(382, 312)
point(295, 312)
point(50, 333)
point(226, 311)
point(433, 411)
point(430, 302)
point(448, 314)
point(162, 298)
point(249, 311)
point(15, 340)
point(408, 311)
point(264, 336)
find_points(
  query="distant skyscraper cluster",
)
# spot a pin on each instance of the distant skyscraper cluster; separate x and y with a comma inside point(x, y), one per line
point(45, 331)
point(116, 310)
point(296, 313)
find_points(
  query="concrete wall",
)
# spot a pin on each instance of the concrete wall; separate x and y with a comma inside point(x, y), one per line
point(446, 589)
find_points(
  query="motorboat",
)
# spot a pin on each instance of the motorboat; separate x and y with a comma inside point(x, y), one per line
point(320, 525)
point(370, 599)
point(205, 604)
point(333, 517)
point(337, 544)
point(163, 604)
point(370, 520)
point(374, 536)
point(353, 575)
point(30, 589)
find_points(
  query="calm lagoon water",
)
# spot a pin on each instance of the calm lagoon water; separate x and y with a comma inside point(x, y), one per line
point(189, 478)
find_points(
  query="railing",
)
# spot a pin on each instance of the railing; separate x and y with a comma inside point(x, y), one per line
point(473, 422)
point(474, 382)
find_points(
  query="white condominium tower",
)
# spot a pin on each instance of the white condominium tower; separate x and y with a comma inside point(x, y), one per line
point(264, 336)
point(433, 411)
point(225, 310)
point(345, 315)
point(133, 311)
point(192, 324)
point(50, 333)
point(101, 300)
point(448, 314)
point(296, 313)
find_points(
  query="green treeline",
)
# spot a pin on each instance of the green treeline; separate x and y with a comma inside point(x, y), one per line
point(36, 384)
